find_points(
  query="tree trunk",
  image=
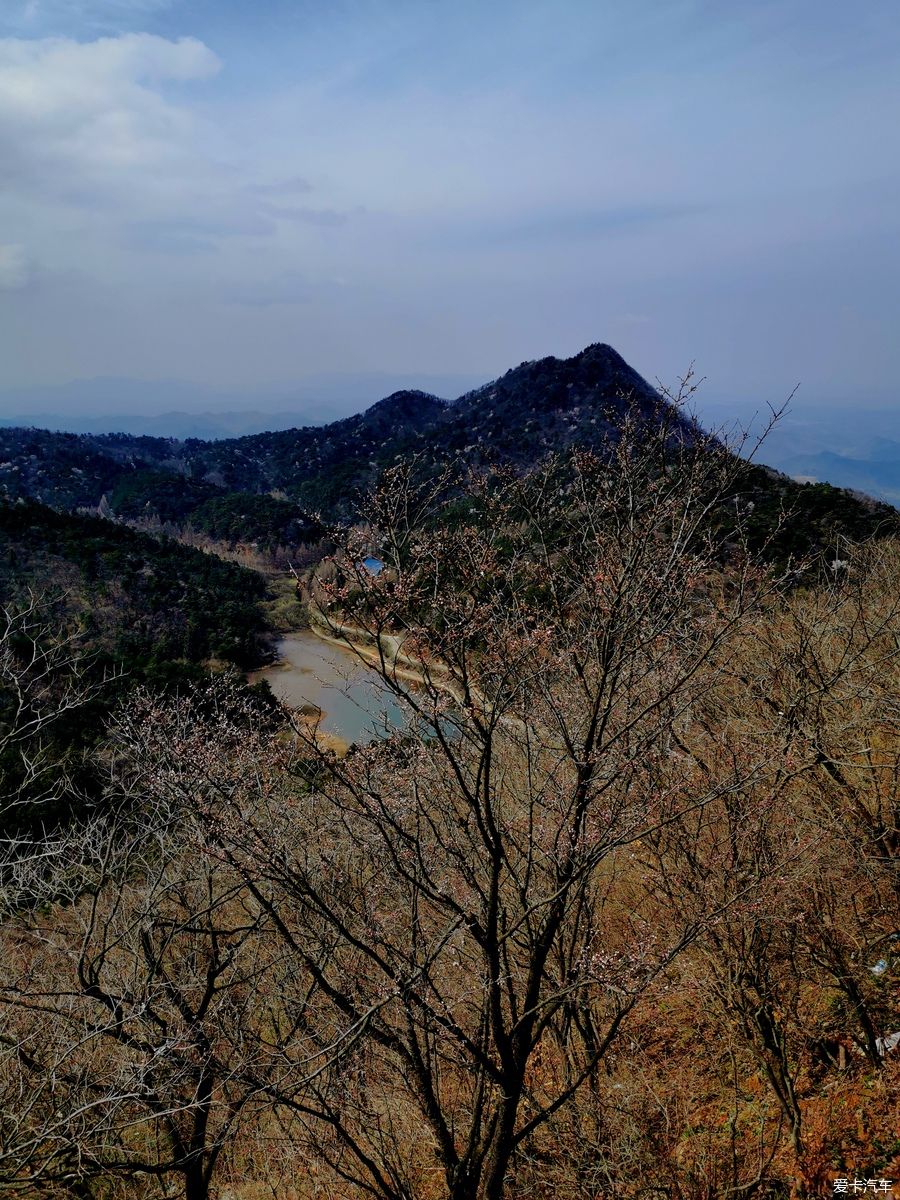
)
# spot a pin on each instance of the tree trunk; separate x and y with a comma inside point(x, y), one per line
point(493, 1180)
point(196, 1183)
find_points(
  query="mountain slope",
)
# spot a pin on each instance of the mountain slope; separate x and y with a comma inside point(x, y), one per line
point(139, 600)
point(535, 408)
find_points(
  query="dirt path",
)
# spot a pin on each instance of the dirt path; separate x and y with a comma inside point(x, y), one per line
point(400, 664)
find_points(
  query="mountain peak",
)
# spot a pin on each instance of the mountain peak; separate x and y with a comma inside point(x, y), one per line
point(598, 372)
point(538, 407)
point(599, 352)
point(411, 396)
point(407, 404)
point(410, 408)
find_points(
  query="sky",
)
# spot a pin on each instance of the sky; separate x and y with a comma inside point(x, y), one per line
point(249, 196)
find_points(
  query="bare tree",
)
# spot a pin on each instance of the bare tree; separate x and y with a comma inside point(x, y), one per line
point(45, 678)
point(811, 690)
point(829, 667)
point(464, 897)
point(624, 772)
point(140, 992)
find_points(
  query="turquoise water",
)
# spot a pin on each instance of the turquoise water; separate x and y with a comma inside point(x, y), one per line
point(352, 696)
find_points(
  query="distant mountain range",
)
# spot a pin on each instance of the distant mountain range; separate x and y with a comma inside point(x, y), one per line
point(876, 476)
point(174, 408)
point(844, 444)
point(208, 426)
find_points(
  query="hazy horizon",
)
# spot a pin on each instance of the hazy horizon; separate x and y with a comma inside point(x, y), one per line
point(332, 395)
point(177, 408)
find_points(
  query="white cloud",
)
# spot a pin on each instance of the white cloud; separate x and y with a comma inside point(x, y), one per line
point(15, 269)
point(90, 118)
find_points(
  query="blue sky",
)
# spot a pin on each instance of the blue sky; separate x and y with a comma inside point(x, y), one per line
point(246, 195)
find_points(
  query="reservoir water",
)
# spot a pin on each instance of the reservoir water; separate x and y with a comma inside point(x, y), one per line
point(356, 705)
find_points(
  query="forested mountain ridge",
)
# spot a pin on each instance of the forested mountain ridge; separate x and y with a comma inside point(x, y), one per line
point(533, 408)
point(261, 489)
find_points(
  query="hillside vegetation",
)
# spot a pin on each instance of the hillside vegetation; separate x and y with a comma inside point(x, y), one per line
point(614, 915)
point(117, 609)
